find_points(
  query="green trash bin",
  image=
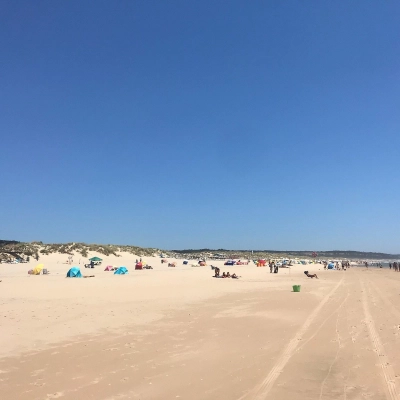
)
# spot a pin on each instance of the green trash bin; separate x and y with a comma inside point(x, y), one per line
point(296, 288)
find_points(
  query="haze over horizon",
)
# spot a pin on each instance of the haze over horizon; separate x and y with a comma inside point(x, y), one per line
point(201, 124)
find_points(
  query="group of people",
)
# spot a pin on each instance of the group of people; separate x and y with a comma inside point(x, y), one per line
point(273, 267)
point(377, 264)
point(395, 265)
point(342, 265)
point(224, 274)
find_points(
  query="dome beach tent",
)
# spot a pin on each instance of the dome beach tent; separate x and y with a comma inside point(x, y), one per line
point(121, 271)
point(74, 272)
point(38, 269)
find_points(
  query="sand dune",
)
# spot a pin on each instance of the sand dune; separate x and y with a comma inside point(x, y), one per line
point(171, 333)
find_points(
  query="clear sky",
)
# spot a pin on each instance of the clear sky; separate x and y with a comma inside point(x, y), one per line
point(192, 124)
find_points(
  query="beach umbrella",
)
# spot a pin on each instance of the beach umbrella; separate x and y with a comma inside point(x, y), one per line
point(95, 259)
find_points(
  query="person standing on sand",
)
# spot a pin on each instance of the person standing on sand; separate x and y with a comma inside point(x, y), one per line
point(271, 267)
point(390, 265)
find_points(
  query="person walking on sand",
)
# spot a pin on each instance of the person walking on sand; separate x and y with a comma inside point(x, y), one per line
point(271, 267)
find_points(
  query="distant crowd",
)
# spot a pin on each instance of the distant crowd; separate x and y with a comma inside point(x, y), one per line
point(338, 265)
point(395, 265)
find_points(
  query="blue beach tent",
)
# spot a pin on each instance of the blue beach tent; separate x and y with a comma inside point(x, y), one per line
point(121, 271)
point(74, 272)
point(331, 265)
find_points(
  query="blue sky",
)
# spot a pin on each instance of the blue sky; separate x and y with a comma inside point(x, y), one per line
point(192, 124)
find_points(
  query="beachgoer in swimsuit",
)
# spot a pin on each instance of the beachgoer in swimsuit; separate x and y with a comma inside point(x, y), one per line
point(310, 275)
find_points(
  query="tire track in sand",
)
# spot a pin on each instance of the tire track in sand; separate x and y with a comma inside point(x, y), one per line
point(262, 390)
point(340, 346)
point(387, 370)
point(389, 305)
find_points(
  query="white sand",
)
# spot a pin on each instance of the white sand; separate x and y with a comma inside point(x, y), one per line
point(172, 333)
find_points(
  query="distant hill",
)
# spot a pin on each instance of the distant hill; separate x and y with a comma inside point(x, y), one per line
point(333, 254)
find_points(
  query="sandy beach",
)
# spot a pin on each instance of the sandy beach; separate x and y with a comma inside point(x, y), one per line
point(178, 333)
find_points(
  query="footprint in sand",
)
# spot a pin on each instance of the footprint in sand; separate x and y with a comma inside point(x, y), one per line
point(56, 395)
point(37, 372)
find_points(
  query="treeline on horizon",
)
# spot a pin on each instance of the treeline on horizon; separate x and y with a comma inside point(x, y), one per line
point(300, 253)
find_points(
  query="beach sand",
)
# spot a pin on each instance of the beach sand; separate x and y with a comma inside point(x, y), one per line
point(178, 333)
